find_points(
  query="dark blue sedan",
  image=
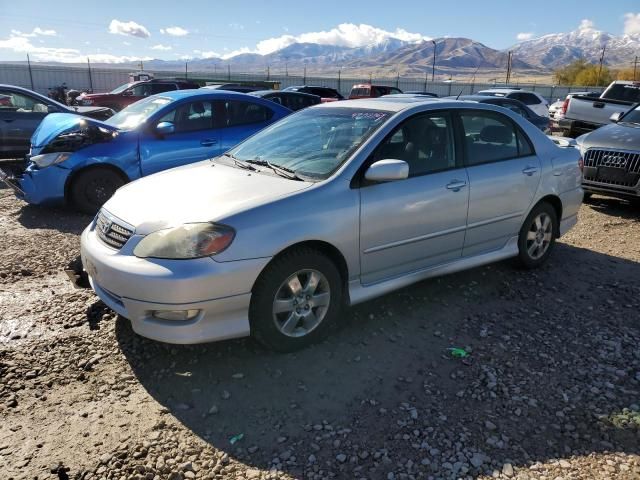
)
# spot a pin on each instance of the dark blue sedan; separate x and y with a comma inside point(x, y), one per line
point(82, 161)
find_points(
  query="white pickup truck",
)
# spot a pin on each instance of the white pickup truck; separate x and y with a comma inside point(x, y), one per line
point(583, 114)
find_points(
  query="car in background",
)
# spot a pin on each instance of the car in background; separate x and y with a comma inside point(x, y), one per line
point(368, 90)
point(335, 205)
point(555, 109)
point(233, 87)
point(533, 100)
point(292, 100)
point(583, 114)
point(327, 94)
point(22, 110)
point(421, 92)
point(129, 93)
point(542, 123)
point(611, 156)
point(82, 162)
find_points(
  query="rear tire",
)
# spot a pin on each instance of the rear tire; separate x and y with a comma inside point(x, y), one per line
point(296, 301)
point(92, 188)
point(537, 236)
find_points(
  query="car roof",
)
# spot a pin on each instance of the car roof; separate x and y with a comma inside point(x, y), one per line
point(387, 103)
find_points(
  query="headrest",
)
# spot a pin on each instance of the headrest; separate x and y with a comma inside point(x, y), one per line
point(496, 134)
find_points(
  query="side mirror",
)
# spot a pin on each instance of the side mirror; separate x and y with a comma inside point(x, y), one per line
point(127, 93)
point(387, 171)
point(615, 117)
point(165, 128)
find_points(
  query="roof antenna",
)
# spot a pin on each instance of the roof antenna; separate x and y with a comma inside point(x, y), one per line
point(473, 79)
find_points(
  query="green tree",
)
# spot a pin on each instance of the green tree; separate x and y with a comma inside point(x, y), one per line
point(581, 72)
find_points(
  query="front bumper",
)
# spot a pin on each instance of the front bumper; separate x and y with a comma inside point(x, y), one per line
point(628, 193)
point(135, 287)
point(576, 127)
point(39, 186)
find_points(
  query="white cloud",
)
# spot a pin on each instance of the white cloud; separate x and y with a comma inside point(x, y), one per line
point(128, 44)
point(174, 31)
point(236, 26)
point(35, 32)
point(524, 36)
point(206, 54)
point(586, 24)
point(632, 23)
point(19, 44)
point(344, 35)
point(128, 28)
point(161, 47)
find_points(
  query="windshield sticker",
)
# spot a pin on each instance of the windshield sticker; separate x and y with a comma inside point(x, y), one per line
point(375, 116)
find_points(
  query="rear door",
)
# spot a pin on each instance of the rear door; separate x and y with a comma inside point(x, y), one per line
point(241, 119)
point(504, 174)
point(20, 115)
point(411, 224)
point(196, 137)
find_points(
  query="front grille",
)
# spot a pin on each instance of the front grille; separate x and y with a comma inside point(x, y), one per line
point(612, 167)
point(111, 230)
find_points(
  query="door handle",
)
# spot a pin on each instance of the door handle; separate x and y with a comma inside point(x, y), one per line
point(529, 171)
point(208, 142)
point(456, 185)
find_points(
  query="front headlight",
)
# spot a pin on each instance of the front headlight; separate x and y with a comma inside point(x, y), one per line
point(192, 240)
point(49, 159)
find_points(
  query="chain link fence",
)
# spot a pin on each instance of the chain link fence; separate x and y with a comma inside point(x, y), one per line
point(42, 77)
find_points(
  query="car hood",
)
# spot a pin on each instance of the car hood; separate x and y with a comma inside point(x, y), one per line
point(617, 136)
point(56, 124)
point(200, 192)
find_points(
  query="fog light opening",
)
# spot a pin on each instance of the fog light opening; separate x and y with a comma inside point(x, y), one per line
point(175, 315)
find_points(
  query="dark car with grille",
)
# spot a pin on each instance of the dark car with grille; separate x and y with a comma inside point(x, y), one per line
point(611, 156)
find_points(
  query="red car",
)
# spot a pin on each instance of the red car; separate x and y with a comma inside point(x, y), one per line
point(367, 90)
point(132, 92)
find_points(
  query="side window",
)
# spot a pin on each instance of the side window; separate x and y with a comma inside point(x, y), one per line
point(425, 142)
point(491, 137)
point(16, 102)
point(379, 91)
point(191, 117)
point(515, 108)
point(141, 90)
point(245, 113)
point(162, 87)
point(530, 99)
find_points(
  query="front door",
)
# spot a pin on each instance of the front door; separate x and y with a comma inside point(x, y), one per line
point(504, 174)
point(20, 115)
point(407, 225)
point(196, 137)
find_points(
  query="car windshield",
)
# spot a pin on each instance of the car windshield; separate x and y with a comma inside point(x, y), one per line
point(136, 113)
point(121, 88)
point(633, 116)
point(312, 143)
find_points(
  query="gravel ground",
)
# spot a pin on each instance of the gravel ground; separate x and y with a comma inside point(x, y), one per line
point(550, 390)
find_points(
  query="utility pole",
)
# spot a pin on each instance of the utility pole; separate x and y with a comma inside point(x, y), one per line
point(228, 72)
point(509, 59)
point(268, 73)
point(186, 71)
point(30, 72)
point(339, 77)
point(635, 68)
point(600, 67)
point(90, 79)
point(433, 68)
point(304, 79)
point(426, 75)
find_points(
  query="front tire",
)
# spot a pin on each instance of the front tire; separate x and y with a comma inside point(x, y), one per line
point(537, 236)
point(93, 187)
point(296, 301)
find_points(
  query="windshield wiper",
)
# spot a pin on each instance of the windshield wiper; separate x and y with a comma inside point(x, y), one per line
point(282, 171)
point(240, 163)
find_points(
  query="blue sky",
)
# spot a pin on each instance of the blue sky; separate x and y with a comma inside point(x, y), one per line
point(123, 30)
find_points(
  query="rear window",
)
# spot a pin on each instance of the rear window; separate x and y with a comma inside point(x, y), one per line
point(627, 93)
point(360, 92)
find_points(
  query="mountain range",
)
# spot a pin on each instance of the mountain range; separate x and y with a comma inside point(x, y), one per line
point(453, 56)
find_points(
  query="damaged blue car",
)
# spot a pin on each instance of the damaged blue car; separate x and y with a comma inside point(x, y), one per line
point(82, 162)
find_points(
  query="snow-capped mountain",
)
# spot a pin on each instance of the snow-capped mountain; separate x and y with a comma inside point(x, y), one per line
point(559, 49)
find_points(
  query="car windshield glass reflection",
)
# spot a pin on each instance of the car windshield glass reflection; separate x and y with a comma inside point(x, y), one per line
point(138, 112)
point(312, 143)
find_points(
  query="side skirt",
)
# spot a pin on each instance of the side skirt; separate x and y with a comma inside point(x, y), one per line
point(360, 293)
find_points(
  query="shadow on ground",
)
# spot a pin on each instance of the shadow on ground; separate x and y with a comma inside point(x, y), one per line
point(554, 359)
point(62, 219)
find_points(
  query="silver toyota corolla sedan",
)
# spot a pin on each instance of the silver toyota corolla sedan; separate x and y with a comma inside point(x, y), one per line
point(329, 207)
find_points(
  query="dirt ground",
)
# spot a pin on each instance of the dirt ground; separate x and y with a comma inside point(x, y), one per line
point(550, 390)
